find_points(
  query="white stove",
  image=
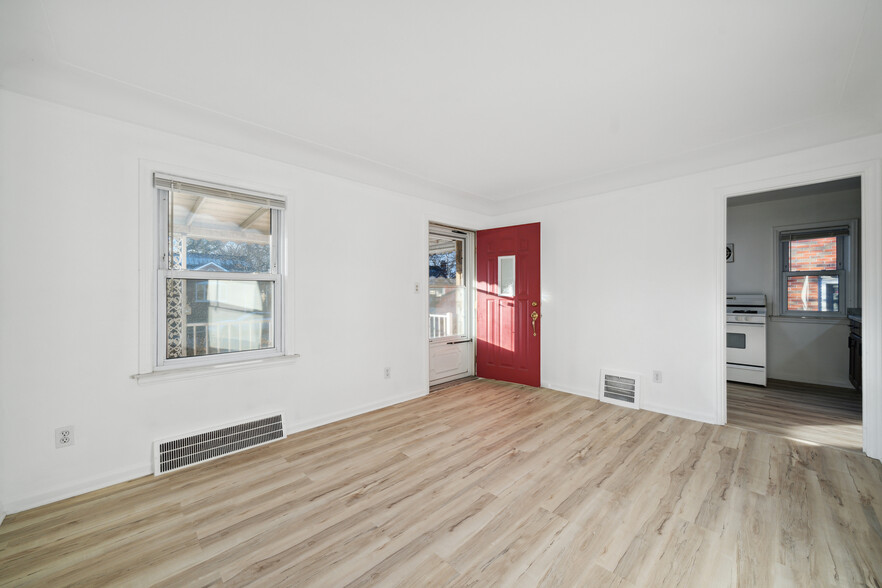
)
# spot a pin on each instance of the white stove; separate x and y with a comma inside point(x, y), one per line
point(746, 338)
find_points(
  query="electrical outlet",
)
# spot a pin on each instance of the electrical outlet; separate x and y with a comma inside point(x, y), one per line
point(387, 373)
point(656, 376)
point(64, 437)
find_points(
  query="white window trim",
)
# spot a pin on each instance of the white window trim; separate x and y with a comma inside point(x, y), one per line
point(850, 284)
point(148, 237)
point(189, 373)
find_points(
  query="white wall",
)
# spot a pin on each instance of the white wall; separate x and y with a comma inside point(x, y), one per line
point(632, 280)
point(800, 350)
point(635, 280)
point(628, 284)
point(69, 255)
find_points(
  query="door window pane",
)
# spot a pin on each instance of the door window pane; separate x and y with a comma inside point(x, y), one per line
point(207, 317)
point(445, 261)
point(816, 293)
point(506, 276)
point(446, 312)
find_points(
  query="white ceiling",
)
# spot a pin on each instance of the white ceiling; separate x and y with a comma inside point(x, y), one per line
point(495, 105)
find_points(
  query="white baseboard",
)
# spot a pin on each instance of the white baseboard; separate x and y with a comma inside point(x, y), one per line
point(593, 393)
point(575, 390)
point(345, 414)
point(676, 412)
point(95, 483)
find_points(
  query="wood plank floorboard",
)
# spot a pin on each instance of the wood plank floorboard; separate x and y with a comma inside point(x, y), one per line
point(820, 414)
point(480, 484)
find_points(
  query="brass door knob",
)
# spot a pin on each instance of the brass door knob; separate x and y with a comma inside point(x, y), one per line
point(534, 316)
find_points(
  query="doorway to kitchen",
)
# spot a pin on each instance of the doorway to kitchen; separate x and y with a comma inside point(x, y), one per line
point(793, 283)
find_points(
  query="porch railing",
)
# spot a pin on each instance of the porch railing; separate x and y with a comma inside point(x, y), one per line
point(222, 337)
point(439, 325)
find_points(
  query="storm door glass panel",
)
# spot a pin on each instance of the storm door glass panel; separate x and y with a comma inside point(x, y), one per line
point(222, 316)
point(447, 288)
point(218, 234)
point(446, 312)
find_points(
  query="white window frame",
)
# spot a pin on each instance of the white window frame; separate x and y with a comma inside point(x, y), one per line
point(162, 186)
point(847, 264)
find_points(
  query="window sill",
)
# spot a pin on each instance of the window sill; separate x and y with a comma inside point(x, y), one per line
point(189, 373)
point(816, 320)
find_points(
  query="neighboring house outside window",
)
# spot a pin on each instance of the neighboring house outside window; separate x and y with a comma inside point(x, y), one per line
point(818, 268)
point(220, 288)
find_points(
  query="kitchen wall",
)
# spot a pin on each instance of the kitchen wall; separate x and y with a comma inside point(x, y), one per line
point(800, 350)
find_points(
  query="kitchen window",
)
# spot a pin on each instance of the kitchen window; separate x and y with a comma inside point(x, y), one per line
point(816, 276)
point(219, 284)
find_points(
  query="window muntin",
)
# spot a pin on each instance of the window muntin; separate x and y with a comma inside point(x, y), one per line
point(814, 264)
point(219, 281)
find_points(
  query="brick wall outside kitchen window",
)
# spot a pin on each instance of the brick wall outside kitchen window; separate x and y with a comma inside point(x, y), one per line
point(809, 255)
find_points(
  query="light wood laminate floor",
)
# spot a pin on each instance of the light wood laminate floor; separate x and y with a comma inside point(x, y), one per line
point(484, 484)
point(820, 414)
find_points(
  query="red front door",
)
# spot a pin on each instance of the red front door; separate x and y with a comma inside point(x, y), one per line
point(509, 304)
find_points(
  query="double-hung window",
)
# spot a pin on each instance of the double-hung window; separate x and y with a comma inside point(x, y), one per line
point(815, 264)
point(219, 284)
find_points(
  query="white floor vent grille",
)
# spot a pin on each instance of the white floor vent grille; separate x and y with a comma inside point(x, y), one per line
point(620, 388)
point(179, 452)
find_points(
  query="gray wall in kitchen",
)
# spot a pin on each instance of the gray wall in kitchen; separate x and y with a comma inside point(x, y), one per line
point(801, 350)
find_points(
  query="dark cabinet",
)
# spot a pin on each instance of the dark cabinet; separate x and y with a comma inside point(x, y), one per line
point(854, 355)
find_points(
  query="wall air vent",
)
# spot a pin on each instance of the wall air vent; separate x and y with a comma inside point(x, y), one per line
point(191, 448)
point(620, 388)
